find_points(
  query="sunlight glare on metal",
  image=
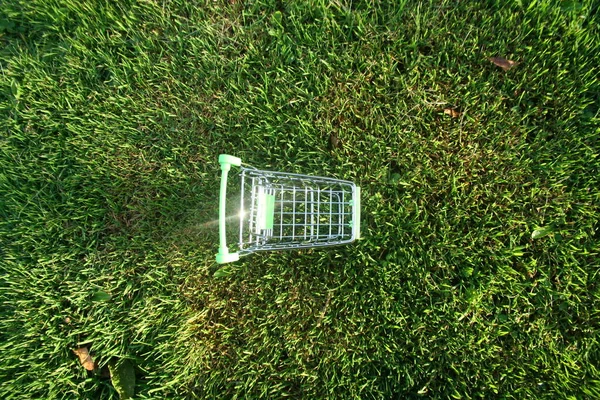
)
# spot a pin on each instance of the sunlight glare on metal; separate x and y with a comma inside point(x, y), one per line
point(216, 221)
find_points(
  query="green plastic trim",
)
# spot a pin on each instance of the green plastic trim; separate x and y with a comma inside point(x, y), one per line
point(223, 258)
point(227, 159)
point(226, 162)
point(265, 210)
point(356, 213)
point(270, 211)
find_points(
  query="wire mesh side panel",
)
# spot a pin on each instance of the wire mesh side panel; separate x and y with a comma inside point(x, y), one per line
point(308, 211)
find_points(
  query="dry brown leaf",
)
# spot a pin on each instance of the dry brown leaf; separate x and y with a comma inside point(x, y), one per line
point(503, 62)
point(85, 358)
point(334, 141)
point(452, 112)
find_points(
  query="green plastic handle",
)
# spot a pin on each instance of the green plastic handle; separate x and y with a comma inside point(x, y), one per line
point(224, 256)
point(356, 214)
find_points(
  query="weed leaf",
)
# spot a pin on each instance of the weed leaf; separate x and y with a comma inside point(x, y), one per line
point(101, 296)
point(518, 251)
point(541, 232)
point(122, 375)
point(221, 272)
point(15, 89)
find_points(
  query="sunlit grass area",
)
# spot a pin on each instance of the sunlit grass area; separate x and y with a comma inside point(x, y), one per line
point(477, 274)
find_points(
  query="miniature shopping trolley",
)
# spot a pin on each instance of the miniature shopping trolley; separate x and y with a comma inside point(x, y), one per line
point(279, 210)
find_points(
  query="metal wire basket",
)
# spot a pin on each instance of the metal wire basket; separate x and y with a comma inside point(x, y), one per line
point(281, 210)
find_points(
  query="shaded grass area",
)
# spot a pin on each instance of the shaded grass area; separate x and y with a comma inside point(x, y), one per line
point(113, 116)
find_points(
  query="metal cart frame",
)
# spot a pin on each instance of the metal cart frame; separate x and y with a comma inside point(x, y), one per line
point(281, 211)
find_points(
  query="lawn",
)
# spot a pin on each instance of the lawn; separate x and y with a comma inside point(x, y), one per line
point(478, 272)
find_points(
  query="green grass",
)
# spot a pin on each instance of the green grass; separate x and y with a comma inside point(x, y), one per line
point(112, 117)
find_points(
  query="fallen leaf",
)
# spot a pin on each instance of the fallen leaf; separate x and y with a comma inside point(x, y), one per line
point(452, 112)
point(85, 358)
point(503, 62)
point(334, 141)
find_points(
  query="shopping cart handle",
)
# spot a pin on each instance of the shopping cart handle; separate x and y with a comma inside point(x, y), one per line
point(224, 256)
